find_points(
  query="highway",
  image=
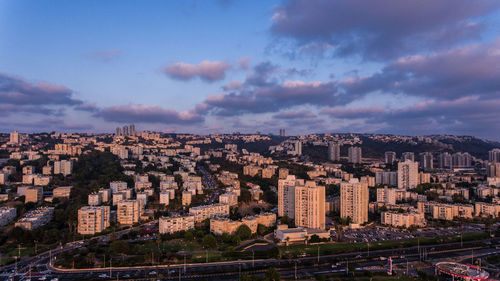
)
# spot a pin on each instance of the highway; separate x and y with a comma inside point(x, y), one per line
point(306, 266)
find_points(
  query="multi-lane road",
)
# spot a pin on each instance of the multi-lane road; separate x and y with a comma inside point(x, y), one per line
point(302, 267)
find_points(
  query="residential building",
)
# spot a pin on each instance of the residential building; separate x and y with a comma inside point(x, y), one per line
point(36, 218)
point(187, 197)
point(354, 155)
point(354, 201)
point(34, 194)
point(390, 157)
point(129, 211)
point(175, 223)
point(62, 192)
point(204, 212)
point(95, 199)
point(7, 215)
point(333, 151)
point(407, 174)
point(405, 219)
point(64, 167)
point(93, 219)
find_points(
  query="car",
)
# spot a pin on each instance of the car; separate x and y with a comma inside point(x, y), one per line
point(103, 275)
point(126, 276)
point(358, 256)
point(152, 272)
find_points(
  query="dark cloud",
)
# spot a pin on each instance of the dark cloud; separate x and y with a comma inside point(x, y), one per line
point(271, 98)
point(207, 70)
point(105, 55)
point(458, 72)
point(301, 114)
point(16, 91)
point(464, 116)
point(147, 114)
point(379, 29)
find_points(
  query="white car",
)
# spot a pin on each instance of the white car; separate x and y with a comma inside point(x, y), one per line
point(103, 275)
point(152, 272)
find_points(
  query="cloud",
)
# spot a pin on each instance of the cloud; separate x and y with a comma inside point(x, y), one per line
point(147, 114)
point(209, 71)
point(46, 125)
point(271, 98)
point(287, 115)
point(464, 116)
point(458, 72)
point(233, 85)
point(379, 29)
point(244, 62)
point(105, 55)
point(19, 92)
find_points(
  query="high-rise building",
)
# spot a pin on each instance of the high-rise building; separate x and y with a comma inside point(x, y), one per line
point(390, 157)
point(282, 133)
point(407, 174)
point(461, 160)
point(64, 167)
point(298, 147)
point(118, 131)
point(129, 211)
point(302, 201)
point(494, 155)
point(286, 196)
point(14, 137)
point(132, 130)
point(354, 201)
point(310, 205)
point(125, 131)
point(354, 155)
point(494, 170)
point(408, 156)
point(426, 161)
point(93, 219)
point(445, 160)
point(333, 151)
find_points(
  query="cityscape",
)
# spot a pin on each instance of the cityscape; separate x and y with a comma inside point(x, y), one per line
point(250, 140)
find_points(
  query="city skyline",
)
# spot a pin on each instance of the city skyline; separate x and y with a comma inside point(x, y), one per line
point(413, 68)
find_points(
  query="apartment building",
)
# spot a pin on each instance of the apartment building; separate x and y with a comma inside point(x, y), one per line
point(62, 192)
point(175, 223)
point(405, 219)
point(129, 211)
point(7, 215)
point(33, 194)
point(221, 224)
point(93, 219)
point(204, 212)
point(36, 218)
point(354, 201)
point(407, 174)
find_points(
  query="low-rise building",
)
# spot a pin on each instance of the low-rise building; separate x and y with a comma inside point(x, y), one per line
point(34, 194)
point(175, 223)
point(95, 199)
point(404, 219)
point(36, 218)
point(7, 215)
point(229, 198)
point(204, 212)
point(62, 192)
point(220, 225)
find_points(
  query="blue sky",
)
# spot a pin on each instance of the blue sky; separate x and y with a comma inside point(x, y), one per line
point(224, 66)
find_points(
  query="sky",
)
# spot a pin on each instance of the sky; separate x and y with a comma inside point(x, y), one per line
point(413, 67)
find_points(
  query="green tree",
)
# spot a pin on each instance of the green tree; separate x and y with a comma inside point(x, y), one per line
point(272, 274)
point(244, 232)
point(261, 229)
point(209, 242)
point(189, 236)
point(119, 247)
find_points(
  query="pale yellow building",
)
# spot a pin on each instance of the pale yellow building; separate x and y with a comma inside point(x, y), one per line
point(204, 212)
point(129, 211)
point(92, 219)
point(354, 201)
point(34, 194)
point(175, 223)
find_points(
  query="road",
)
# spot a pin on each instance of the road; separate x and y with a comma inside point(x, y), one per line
point(306, 266)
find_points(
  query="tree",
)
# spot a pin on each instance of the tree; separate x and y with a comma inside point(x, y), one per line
point(315, 239)
point(119, 247)
point(244, 232)
point(209, 242)
point(261, 229)
point(236, 240)
point(189, 236)
point(245, 195)
point(272, 274)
